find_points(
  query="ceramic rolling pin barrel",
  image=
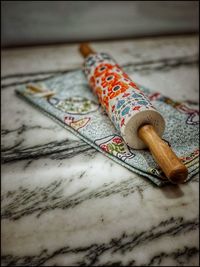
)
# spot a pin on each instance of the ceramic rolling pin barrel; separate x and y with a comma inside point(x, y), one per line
point(138, 122)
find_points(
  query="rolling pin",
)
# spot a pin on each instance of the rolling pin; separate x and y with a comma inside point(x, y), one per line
point(139, 123)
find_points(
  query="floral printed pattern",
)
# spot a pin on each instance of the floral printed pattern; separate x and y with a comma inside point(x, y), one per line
point(115, 145)
point(91, 124)
point(74, 105)
point(76, 124)
point(113, 86)
point(193, 114)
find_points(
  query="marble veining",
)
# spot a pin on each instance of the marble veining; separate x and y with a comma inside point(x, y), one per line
point(62, 202)
point(91, 254)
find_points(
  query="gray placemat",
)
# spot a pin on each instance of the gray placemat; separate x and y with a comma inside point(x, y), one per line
point(76, 108)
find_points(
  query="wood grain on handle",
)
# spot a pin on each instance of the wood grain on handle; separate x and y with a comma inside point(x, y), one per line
point(86, 50)
point(171, 165)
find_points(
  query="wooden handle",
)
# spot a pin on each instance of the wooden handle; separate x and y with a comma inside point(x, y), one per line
point(86, 50)
point(171, 165)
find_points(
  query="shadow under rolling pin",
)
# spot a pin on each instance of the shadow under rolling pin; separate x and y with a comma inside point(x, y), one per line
point(145, 125)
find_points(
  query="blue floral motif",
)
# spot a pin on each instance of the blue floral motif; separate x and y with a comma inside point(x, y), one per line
point(183, 135)
point(135, 95)
point(143, 102)
point(125, 111)
point(120, 103)
point(90, 61)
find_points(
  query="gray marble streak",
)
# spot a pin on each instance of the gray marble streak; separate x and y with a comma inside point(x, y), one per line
point(62, 202)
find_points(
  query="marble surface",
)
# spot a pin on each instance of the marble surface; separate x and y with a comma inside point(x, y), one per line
point(62, 202)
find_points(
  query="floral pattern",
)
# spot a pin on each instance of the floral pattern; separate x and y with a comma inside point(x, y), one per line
point(90, 123)
point(115, 146)
point(76, 124)
point(113, 86)
point(74, 105)
point(192, 114)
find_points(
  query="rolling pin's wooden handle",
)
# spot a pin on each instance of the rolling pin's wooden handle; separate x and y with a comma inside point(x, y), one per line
point(171, 165)
point(86, 50)
point(174, 170)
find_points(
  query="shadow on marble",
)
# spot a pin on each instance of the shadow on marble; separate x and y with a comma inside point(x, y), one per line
point(172, 191)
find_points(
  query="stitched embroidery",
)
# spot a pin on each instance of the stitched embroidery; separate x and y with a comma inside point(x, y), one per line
point(76, 124)
point(74, 105)
point(115, 145)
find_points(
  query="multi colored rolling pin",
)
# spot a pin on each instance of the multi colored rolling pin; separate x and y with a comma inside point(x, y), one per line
point(138, 122)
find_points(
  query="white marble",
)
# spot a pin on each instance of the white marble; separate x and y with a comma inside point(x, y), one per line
point(63, 203)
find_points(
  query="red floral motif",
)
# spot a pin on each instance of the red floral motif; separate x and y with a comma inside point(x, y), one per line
point(188, 158)
point(125, 75)
point(102, 69)
point(104, 147)
point(117, 140)
point(126, 94)
point(122, 122)
point(116, 89)
point(105, 102)
point(109, 79)
point(113, 107)
point(137, 108)
point(154, 96)
point(92, 82)
point(131, 83)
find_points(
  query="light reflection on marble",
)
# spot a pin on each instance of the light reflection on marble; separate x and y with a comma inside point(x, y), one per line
point(64, 203)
